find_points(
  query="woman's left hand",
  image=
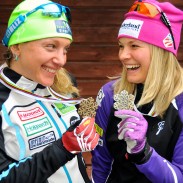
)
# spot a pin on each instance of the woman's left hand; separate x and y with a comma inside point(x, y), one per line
point(132, 129)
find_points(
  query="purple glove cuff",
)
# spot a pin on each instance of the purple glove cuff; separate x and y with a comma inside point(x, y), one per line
point(139, 147)
point(141, 157)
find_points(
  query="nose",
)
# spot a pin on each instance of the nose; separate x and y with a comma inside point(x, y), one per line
point(60, 58)
point(124, 54)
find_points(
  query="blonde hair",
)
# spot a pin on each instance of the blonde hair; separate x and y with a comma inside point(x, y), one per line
point(63, 84)
point(163, 83)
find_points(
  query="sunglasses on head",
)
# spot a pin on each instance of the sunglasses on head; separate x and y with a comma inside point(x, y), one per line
point(54, 10)
point(151, 10)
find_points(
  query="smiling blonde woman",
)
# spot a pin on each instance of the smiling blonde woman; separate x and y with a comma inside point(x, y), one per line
point(42, 135)
point(140, 114)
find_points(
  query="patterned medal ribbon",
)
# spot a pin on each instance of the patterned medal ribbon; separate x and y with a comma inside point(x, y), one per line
point(58, 99)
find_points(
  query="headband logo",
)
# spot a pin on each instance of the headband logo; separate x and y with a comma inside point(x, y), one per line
point(13, 27)
point(168, 41)
point(63, 27)
point(131, 27)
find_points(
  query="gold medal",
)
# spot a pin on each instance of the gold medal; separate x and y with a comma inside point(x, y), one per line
point(87, 108)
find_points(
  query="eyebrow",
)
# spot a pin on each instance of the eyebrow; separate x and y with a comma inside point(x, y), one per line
point(130, 42)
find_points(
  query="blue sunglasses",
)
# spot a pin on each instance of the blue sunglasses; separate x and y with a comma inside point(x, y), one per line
point(54, 10)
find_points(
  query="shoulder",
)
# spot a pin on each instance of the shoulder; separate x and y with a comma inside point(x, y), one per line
point(106, 93)
point(179, 103)
point(4, 93)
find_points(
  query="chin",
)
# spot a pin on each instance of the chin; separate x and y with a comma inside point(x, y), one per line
point(46, 83)
point(134, 80)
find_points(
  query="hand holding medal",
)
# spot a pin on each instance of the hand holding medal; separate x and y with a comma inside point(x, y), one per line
point(133, 125)
point(82, 135)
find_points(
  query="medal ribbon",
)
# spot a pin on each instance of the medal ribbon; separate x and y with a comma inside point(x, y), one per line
point(58, 99)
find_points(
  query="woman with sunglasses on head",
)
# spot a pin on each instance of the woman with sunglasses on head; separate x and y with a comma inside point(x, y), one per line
point(140, 114)
point(42, 135)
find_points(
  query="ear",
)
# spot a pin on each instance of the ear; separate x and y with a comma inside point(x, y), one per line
point(15, 49)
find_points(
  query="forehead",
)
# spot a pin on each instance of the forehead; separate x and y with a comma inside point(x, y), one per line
point(54, 40)
point(60, 40)
point(126, 40)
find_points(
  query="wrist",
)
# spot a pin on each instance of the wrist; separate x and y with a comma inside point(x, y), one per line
point(141, 157)
point(138, 148)
point(60, 144)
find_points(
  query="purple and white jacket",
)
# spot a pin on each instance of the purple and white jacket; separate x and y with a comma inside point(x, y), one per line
point(165, 136)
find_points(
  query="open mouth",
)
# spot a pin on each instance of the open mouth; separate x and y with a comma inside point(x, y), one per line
point(132, 67)
point(53, 71)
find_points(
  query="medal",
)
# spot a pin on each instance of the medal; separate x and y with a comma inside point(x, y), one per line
point(124, 100)
point(87, 108)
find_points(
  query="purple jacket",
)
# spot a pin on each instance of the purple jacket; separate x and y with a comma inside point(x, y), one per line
point(162, 166)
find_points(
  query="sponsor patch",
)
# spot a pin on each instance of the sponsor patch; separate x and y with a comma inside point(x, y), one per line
point(62, 27)
point(100, 142)
point(73, 120)
point(37, 126)
point(64, 109)
point(30, 114)
point(160, 127)
point(99, 130)
point(100, 96)
point(42, 140)
point(131, 27)
point(168, 41)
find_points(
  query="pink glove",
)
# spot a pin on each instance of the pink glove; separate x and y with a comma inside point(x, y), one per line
point(81, 138)
point(132, 129)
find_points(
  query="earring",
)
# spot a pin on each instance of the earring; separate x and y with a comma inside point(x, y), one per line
point(15, 57)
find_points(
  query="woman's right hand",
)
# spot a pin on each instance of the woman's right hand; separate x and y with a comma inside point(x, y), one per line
point(81, 137)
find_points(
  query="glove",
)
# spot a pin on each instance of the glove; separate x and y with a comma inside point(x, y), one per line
point(132, 129)
point(81, 137)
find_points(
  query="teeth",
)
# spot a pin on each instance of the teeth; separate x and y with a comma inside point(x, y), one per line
point(132, 66)
point(50, 70)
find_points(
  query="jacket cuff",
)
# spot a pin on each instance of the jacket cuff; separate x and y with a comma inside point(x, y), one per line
point(141, 157)
point(68, 154)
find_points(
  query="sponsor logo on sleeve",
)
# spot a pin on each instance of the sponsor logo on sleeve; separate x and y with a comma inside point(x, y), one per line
point(100, 96)
point(99, 130)
point(100, 142)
